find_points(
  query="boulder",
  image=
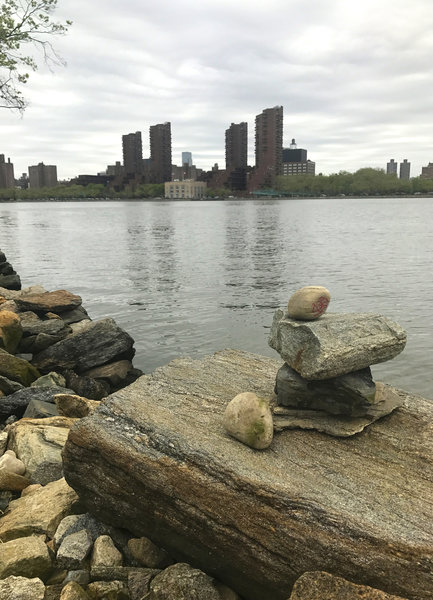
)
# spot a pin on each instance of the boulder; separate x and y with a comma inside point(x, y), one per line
point(39, 443)
point(75, 315)
point(308, 303)
point(71, 405)
point(52, 379)
point(16, 403)
point(74, 550)
point(21, 588)
point(183, 582)
point(12, 481)
point(86, 386)
point(114, 590)
point(146, 553)
point(105, 553)
point(248, 418)
point(335, 344)
point(351, 394)
point(114, 373)
point(73, 591)
point(32, 325)
point(155, 459)
point(7, 386)
point(17, 369)
point(102, 342)
point(10, 331)
point(139, 582)
point(13, 294)
point(57, 301)
point(39, 512)
point(27, 557)
point(323, 586)
point(37, 409)
point(10, 282)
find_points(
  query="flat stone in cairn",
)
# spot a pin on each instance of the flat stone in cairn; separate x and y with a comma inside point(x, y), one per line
point(387, 400)
point(336, 343)
point(351, 394)
point(57, 301)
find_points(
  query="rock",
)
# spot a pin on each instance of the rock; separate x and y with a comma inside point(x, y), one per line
point(38, 513)
point(225, 592)
point(86, 386)
point(11, 282)
point(75, 315)
point(105, 553)
point(7, 386)
point(3, 441)
point(114, 590)
point(31, 489)
point(248, 418)
point(351, 394)
point(12, 481)
point(338, 425)
point(73, 523)
point(11, 463)
point(21, 588)
point(183, 582)
point(335, 344)
point(32, 325)
point(139, 582)
point(10, 331)
point(74, 549)
point(103, 341)
point(14, 294)
point(81, 576)
point(118, 573)
point(16, 403)
point(17, 369)
point(39, 443)
point(73, 591)
point(57, 302)
point(114, 373)
point(51, 379)
point(155, 459)
point(5, 498)
point(26, 557)
point(146, 553)
point(308, 303)
point(6, 268)
point(323, 586)
point(37, 409)
point(70, 405)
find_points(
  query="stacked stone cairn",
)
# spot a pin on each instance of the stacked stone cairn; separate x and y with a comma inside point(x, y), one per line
point(9, 278)
point(326, 381)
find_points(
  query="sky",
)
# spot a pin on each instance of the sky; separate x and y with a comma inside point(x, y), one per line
point(355, 80)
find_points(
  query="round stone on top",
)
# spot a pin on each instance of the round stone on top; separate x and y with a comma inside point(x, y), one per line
point(308, 303)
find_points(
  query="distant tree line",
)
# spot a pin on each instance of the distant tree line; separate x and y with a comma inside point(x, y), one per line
point(364, 182)
point(93, 191)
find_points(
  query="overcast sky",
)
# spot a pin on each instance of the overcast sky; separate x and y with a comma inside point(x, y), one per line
point(355, 79)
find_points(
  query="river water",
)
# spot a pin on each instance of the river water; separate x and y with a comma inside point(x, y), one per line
point(191, 278)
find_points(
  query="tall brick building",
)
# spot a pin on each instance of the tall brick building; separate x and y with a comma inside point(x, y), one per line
point(132, 153)
point(7, 179)
point(269, 148)
point(160, 152)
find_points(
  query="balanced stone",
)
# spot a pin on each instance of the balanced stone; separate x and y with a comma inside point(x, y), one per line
point(351, 394)
point(335, 344)
point(309, 303)
point(248, 418)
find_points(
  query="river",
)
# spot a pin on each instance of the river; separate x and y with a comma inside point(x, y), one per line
point(191, 278)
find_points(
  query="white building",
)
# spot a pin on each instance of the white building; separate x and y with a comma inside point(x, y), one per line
point(185, 189)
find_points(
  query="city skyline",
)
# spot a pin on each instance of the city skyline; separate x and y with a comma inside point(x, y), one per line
point(354, 80)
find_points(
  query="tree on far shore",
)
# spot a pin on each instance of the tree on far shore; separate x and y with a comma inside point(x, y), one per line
point(25, 22)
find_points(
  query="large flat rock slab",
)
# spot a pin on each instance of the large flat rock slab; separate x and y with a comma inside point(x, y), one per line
point(155, 458)
point(335, 344)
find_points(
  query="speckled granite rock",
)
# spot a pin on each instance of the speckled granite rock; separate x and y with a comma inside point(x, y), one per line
point(155, 458)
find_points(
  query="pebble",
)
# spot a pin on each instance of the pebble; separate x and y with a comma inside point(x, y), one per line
point(308, 303)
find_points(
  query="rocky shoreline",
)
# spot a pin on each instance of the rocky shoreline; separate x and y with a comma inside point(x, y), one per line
point(78, 539)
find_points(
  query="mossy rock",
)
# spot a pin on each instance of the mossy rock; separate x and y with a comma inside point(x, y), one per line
point(17, 369)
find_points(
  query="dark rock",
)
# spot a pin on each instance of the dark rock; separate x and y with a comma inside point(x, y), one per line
point(336, 343)
point(74, 316)
point(139, 582)
point(10, 282)
point(37, 409)
point(74, 523)
point(102, 342)
point(350, 394)
point(155, 459)
point(6, 268)
point(53, 327)
point(2, 257)
point(7, 386)
point(86, 386)
point(114, 373)
point(36, 343)
point(323, 586)
point(16, 403)
point(56, 302)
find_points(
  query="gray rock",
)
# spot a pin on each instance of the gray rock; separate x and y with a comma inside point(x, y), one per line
point(74, 550)
point(103, 341)
point(80, 576)
point(74, 316)
point(182, 582)
point(10, 282)
point(27, 557)
point(49, 380)
point(350, 394)
point(16, 403)
point(7, 386)
point(73, 523)
point(154, 458)
point(21, 588)
point(335, 344)
point(34, 326)
point(139, 582)
point(37, 409)
point(105, 553)
point(334, 424)
point(6, 268)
